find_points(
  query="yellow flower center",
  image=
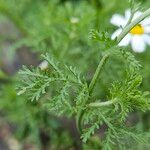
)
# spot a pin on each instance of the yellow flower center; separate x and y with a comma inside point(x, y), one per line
point(138, 29)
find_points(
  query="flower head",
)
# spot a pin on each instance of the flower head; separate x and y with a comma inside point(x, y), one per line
point(138, 37)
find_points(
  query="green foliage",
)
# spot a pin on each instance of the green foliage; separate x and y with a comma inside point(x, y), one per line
point(36, 82)
point(125, 97)
point(62, 89)
point(129, 95)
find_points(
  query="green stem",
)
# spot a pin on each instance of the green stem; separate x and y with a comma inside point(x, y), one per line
point(102, 104)
point(127, 29)
point(131, 17)
point(97, 73)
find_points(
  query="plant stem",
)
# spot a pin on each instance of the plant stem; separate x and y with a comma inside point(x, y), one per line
point(127, 29)
point(131, 17)
point(101, 104)
point(91, 88)
point(97, 73)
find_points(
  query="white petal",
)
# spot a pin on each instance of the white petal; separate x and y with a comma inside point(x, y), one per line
point(116, 33)
point(127, 14)
point(147, 29)
point(126, 40)
point(118, 20)
point(146, 38)
point(146, 21)
point(138, 44)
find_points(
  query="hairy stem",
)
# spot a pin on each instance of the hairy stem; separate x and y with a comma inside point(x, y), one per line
point(127, 29)
point(102, 104)
point(97, 73)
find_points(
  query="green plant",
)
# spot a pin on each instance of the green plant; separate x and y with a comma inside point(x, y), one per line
point(67, 92)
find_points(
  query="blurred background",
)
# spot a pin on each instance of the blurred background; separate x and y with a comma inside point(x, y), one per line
point(29, 28)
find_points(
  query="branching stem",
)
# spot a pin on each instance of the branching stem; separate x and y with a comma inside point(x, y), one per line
point(103, 104)
point(125, 31)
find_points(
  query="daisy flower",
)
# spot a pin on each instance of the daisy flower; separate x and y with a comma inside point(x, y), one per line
point(138, 37)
